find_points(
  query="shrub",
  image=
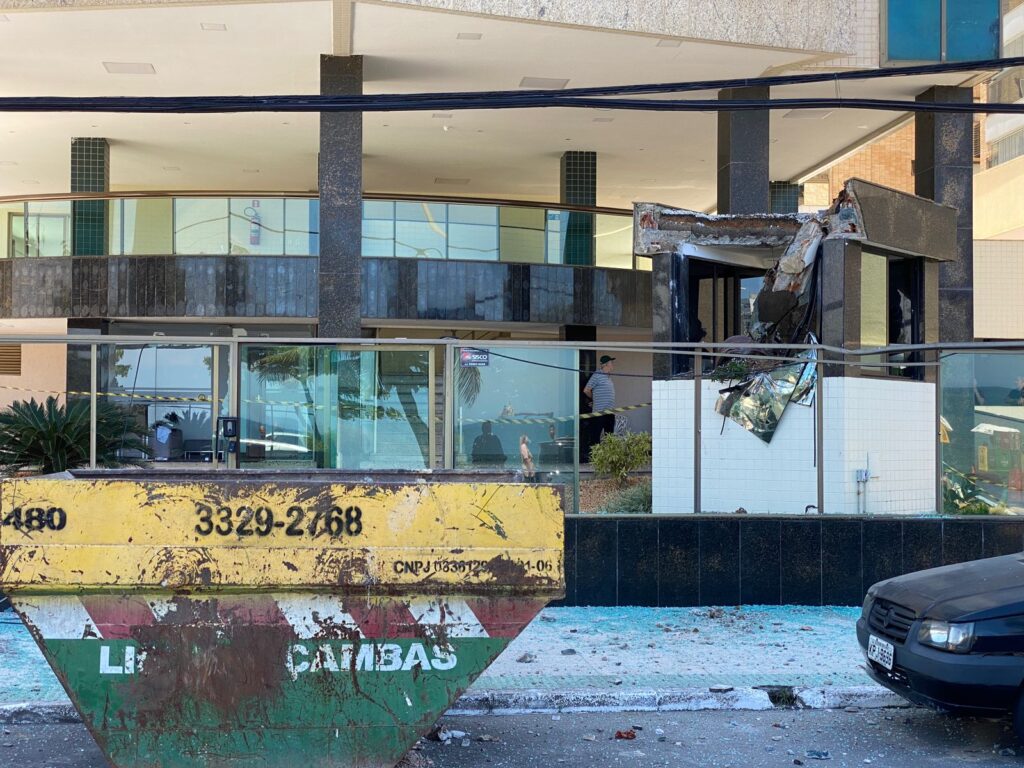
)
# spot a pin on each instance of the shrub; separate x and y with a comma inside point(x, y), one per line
point(618, 455)
point(635, 500)
point(51, 437)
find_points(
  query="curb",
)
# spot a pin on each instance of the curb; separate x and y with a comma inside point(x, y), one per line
point(539, 701)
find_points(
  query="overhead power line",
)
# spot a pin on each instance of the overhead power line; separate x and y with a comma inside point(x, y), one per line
point(586, 98)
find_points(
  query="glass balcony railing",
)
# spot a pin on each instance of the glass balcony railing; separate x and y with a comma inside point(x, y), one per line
point(269, 225)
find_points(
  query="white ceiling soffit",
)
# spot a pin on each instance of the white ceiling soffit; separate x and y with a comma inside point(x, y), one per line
point(270, 48)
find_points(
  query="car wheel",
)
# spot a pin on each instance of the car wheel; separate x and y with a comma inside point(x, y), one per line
point(1018, 718)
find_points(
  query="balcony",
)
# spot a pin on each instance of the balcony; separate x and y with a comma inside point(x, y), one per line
point(192, 254)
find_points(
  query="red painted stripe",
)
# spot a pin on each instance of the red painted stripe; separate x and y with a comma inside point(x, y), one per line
point(115, 615)
point(382, 618)
point(504, 616)
point(255, 609)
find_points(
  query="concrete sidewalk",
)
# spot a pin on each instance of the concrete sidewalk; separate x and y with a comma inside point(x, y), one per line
point(594, 659)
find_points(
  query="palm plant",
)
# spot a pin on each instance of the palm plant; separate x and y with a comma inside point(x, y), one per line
point(52, 437)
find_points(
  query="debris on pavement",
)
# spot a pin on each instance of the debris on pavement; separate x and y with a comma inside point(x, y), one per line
point(628, 735)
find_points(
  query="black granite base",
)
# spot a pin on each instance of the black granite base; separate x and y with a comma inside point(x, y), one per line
point(688, 560)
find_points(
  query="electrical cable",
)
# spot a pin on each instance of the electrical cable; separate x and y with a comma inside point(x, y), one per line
point(576, 97)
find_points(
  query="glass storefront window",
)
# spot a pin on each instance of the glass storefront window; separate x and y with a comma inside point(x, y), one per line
point(200, 226)
point(335, 408)
point(257, 226)
point(169, 393)
point(147, 226)
point(980, 433)
point(521, 398)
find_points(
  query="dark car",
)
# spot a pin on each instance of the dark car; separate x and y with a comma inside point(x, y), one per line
point(951, 638)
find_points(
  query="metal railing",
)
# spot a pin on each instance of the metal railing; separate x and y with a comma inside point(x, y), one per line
point(852, 438)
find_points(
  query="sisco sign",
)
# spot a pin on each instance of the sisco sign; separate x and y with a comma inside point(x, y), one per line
point(474, 358)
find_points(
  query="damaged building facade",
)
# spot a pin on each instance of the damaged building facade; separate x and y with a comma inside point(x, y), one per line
point(765, 435)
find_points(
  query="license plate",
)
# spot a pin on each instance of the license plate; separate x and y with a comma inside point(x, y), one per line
point(880, 651)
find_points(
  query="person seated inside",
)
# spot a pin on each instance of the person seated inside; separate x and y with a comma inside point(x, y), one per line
point(487, 450)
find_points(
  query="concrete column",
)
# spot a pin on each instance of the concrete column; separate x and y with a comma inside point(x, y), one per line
point(90, 172)
point(578, 186)
point(944, 172)
point(341, 201)
point(743, 155)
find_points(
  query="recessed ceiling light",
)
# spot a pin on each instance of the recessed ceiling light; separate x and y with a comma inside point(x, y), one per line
point(129, 68)
point(552, 83)
point(207, 26)
point(442, 115)
point(468, 36)
point(8, 162)
point(186, 123)
point(807, 114)
point(250, 170)
point(443, 180)
point(172, 168)
point(668, 43)
point(863, 127)
point(29, 181)
point(603, 119)
point(285, 123)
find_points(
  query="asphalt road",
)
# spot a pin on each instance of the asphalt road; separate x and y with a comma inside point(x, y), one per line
point(897, 738)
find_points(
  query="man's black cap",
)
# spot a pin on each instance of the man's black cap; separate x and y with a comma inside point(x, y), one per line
point(606, 359)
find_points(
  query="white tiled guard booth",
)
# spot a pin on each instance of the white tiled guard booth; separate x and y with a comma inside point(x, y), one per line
point(886, 426)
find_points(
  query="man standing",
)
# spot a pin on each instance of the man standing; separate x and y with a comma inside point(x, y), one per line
point(600, 390)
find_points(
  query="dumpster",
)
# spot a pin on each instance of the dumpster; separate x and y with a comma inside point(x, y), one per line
point(229, 619)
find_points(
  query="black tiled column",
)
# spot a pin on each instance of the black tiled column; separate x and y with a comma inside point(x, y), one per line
point(743, 155)
point(944, 172)
point(341, 193)
point(90, 172)
point(578, 186)
point(784, 197)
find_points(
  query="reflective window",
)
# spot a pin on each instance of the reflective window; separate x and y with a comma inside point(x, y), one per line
point(980, 433)
point(114, 225)
point(972, 29)
point(12, 222)
point(257, 226)
point(421, 230)
point(302, 227)
point(521, 237)
point(513, 403)
point(200, 226)
point(914, 30)
point(47, 228)
point(326, 407)
point(613, 241)
point(147, 226)
point(473, 232)
point(378, 228)
point(942, 30)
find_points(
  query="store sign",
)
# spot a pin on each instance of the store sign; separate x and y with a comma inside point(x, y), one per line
point(474, 358)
